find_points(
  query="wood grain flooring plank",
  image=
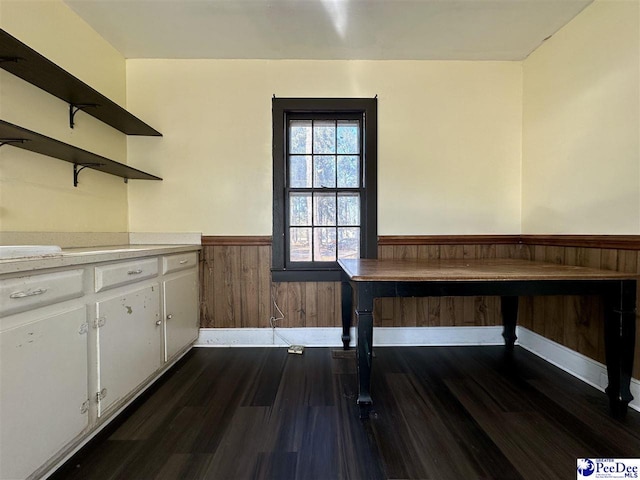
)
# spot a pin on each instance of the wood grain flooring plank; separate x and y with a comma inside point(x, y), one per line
point(221, 397)
point(355, 437)
point(264, 387)
point(286, 423)
point(275, 465)
point(175, 436)
point(245, 436)
point(319, 446)
point(104, 461)
point(387, 429)
point(168, 395)
point(180, 466)
point(443, 457)
point(318, 380)
point(212, 376)
point(438, 413)
point(521, 436)
point(579, 415)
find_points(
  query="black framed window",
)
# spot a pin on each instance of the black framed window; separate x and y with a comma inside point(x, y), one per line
point(324, 185)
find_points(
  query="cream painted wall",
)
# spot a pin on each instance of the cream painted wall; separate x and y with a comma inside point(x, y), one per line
point(449, 141)
point(581, 124)
point(36, 191)
point(550, 145)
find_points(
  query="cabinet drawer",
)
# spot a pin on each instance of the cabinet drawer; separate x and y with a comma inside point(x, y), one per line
point(111, 276)
point(25, 293)
point(174, 263)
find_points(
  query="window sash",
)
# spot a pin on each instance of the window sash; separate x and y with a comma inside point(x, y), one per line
point(301, 142)
point(307, 225)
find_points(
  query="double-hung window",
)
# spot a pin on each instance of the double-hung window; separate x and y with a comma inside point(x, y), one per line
point(324, 179)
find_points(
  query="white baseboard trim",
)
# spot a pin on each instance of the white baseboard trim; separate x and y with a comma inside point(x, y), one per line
point(574, 363)
point(331, 336)
point(580, 366)
point(268, 337)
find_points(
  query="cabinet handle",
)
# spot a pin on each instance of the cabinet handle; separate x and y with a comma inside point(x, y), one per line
point(134, 272)
point(158, 322)
point(38, 291)
point(182, 262)
point(169, 317)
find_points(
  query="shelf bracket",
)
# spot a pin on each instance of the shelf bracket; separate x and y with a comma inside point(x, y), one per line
point(75, 108)
point(5, 141)
point(76, 170)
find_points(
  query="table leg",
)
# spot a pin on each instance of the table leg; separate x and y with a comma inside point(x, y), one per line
point(365, 357)
point(364, 315)
point(347, 311)
point(619, 337)
point(509, 319)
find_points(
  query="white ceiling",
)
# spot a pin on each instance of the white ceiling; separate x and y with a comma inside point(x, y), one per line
point(328, 29)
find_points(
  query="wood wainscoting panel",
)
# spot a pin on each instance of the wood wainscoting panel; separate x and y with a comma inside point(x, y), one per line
point(237, 286)
point(444, 311)
point(237, 290)
point(577, 322)
point(308, 304)
point(617, 242)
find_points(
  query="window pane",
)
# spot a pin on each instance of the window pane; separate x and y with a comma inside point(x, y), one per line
point(324, 171)
point(324, 137)
point(300, 136)
point(324, 244)
point(349, 242)
point(348, 136)
point(324, 209)
point(299, 244)
point(348, 172)
point(300, 209)
point(300, 171)
point(348, 209)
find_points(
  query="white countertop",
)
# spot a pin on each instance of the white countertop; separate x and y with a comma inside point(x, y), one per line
point(80, 256)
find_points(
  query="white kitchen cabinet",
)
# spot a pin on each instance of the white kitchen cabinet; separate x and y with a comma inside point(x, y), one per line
point(81, 336)
point(110, 276)
point(33, 291)
point(43, 388)
point(128, 343)
point(181, 312)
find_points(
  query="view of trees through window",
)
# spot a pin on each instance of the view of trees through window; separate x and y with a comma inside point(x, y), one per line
point(324, 163)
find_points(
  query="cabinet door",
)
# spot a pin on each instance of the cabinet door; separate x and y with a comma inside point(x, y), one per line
point(181, 312)
point(43, 390)
point(129, 343)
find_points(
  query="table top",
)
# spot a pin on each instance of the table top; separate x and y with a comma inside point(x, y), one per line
point(490, 270)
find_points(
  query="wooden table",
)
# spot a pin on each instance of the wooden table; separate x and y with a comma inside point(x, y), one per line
point(367, 279)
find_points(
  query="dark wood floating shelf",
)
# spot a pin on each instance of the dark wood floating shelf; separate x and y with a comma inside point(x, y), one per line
point(24, 62)
point(22, 138)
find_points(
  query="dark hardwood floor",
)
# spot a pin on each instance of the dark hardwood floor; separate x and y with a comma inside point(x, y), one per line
point(439, 413)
